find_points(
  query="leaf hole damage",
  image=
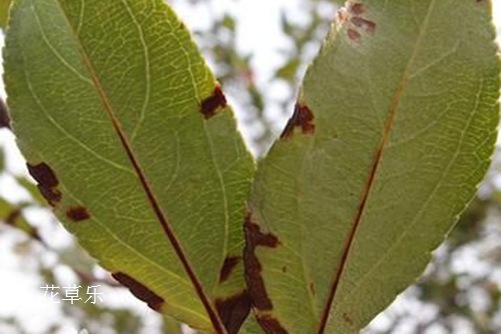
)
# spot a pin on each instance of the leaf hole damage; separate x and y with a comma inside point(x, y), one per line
point(302, 118)
point(77, 214)
point(47, 182)
point(233, 311)
point(254, 238)
point(139, 290)
point(228, 266)
point(214, 102)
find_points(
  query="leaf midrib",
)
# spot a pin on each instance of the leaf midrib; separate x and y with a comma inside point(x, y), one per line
point(394, 106)
point(212, 314)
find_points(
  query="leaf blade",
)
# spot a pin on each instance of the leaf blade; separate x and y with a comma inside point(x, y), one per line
point(134, 84)
point(397, 113)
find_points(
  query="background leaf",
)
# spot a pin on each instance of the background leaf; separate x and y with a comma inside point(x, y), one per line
point(392, 132)
point(4, 11)
point(131, 141)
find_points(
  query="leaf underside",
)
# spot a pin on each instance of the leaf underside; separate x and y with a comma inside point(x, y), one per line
point(393, 131)
point(130, 139)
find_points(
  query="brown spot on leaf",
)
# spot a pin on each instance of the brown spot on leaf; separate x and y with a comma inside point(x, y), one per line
point(47, 182)
point(140, 291)
point(78, 213)
point(4, 115)
point(348, 319)
point(354, 35)
point(254, 238)
point(233, 311)
point(367, 25)
point(228, 265)
point(303, 118)
point(271, 325)
point(356, 9)
point(284, 269)
point(359, 23)
point(213, 102)
point(43, 174)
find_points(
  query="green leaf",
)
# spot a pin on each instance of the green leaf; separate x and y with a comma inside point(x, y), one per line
point(393, 131)
point(251, 326)
point(130, 139)
point(13, 216)
point(289, 70)
point(4, 12)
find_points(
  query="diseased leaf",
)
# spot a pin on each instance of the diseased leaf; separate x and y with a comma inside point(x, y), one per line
point(392, 132)
point(131, 141)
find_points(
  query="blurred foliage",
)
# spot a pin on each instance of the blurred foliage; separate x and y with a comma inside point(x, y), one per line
point(4, 7)
point(460, 289)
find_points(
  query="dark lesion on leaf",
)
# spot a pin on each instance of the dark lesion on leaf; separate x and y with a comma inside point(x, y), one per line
point(270, 325)
point(47, 182)
point(301, 118)
point(354, 35)
point(367, 25)
point(4, 115)
point(214, 102)
point(229, 264)
point(233, 311)
point(358, 22)
point(77, 213)
point(140, 291)
point(356, 9)
point(254, 238)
